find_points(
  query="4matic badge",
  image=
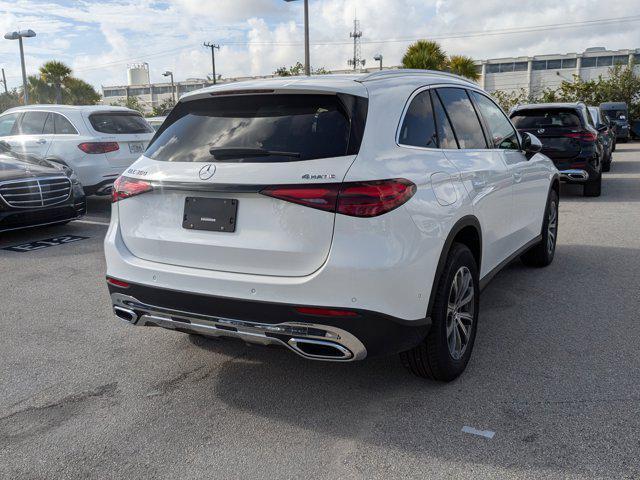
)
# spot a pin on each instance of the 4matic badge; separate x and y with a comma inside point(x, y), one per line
point(309, 176)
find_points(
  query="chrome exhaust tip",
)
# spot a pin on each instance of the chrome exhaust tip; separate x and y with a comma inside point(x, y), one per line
point(319, 349)
point(125, 314)
point(575, 175)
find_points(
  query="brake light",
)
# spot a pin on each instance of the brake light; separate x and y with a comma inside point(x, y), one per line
point(586, 136)
point(325, 312)
point(125, 187)
point(99, 147)
point(356, 199)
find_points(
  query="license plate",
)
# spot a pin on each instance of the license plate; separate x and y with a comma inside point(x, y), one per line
point(212, 214)
point(137, 147)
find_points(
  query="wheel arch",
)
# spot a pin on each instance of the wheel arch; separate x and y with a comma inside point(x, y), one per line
point(467, 231)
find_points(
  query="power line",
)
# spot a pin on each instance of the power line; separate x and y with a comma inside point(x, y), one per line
point(213, 48)
point(474, 33)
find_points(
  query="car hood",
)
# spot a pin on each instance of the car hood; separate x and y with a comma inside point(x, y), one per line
point(14, 168)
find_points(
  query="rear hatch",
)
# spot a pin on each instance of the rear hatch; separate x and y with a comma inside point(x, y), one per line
point(208, 164)
point(127, 134)
point(558, 129)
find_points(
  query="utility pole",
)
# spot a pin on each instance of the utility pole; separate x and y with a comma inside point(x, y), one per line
point(213, 48)
point(4, 82)
point(307, 62)
point(356, 61)
point(378, 58)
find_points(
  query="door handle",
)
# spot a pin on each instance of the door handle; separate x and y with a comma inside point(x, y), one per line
point(42, 141)
point(517, 176)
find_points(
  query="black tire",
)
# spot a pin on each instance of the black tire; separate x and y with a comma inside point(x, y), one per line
point(593, 188)
point(606, 166)
point(613, 149)
point(541, 255)
point(433, 358)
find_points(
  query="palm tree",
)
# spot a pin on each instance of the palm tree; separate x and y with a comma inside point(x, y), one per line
point(55, 73)
point(463, 66)
point(425, 54)
point(79, 92)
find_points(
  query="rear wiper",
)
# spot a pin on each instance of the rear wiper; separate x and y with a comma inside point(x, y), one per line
point(241, 152)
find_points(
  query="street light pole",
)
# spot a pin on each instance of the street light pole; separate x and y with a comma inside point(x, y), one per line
point(173, 88)
point(378, 58)
point(307, 61)
point(19, 36)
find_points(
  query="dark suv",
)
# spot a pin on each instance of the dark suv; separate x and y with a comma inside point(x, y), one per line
point(618, 113)
point(568, 138)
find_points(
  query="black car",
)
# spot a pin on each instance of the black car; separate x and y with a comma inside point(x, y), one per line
point(568, 138)
point(607, 135)
point(36, 192)
point(618, 113)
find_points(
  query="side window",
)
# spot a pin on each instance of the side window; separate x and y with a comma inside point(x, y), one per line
point(32, 123)
point(8, 124)
point(463, 117)
point(445, 133)
point(63, 126)
point(503, 135)
point(418, 128)
point(48, 125)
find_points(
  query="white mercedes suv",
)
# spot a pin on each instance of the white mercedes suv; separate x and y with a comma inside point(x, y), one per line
point(342, 217)
point(97, 142)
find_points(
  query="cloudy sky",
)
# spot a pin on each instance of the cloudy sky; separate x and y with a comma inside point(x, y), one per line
point(99, 38)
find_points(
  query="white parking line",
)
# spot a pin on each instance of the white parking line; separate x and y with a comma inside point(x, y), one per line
point(92, 222)
point(482, 433)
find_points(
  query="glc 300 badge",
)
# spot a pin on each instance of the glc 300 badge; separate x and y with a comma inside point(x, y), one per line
point(308, 176)
point(207, 171)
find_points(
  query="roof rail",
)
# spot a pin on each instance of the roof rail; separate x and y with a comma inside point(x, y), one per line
point(403, 72)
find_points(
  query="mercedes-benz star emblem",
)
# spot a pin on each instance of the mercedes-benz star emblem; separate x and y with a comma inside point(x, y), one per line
point(207, 171)
point(541, 130)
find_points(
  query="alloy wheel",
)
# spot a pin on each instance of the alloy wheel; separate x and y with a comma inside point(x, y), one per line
point(460, 312)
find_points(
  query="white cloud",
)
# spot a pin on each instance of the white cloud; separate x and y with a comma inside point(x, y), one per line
point(98, 39)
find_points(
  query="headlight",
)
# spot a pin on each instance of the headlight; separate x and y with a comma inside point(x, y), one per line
point(71, 174)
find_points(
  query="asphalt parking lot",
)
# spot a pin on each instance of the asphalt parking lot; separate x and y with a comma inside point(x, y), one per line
point(555, 374)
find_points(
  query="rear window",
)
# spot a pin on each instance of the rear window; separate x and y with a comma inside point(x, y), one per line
point(119, 123)
point(305, 126)
point(538, 118)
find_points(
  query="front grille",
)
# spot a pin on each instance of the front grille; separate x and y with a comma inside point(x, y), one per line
point(35, 192)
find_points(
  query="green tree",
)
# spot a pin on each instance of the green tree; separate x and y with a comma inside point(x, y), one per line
point(160, 109)
point(298, 69)
point(426, 55)
point(463, 66)
point(132, 102)
point(55, 73)
point(9, 100)
point(55, 84)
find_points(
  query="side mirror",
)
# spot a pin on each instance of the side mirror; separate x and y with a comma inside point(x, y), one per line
point(531, 144)
point(4, 147)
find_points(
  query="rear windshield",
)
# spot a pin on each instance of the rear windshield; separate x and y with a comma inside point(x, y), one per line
point(538, 118)
point(616, 114)
point(119, 122)
point(304, 126)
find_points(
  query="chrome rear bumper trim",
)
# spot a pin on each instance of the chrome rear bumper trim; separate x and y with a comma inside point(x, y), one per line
point(301, 338)
point(574, 175)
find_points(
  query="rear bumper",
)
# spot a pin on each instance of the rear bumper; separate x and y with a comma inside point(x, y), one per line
point(367, 334)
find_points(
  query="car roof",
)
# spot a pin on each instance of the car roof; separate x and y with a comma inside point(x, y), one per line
point(613, 105)
point(355, 84)
point(71, 108)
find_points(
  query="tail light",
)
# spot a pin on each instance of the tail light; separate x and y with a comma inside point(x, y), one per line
point(99, 147)
point(125, 187)
point(356, 199)
point(586, 136)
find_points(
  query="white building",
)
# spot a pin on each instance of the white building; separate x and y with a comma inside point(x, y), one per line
point(535, 74)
